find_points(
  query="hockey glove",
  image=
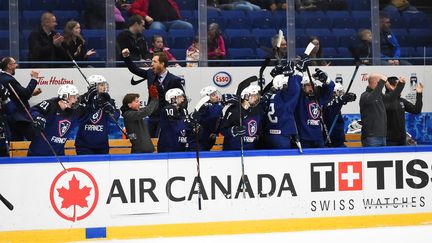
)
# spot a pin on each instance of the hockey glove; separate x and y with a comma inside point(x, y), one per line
point(90, 94)
point(153, 92)
point(301, 65)
point(39, 122)
point(321, 76)
point(238, 131)
point(276, 70)
point(195, 117)
point(229, 99)
point(108, 108)
point(4, 92)
point(288, 70)
point(348, 97)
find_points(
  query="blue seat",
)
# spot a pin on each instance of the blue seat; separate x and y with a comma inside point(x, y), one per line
point(4, 33)
point(344, 32)
point(329, 41)
point(359, 4)
point(264, 22)
point(178, 38)
point(337, 13)
point(96, 42)
point(408, 52)
point(187, 4)
point(219, 20)
point(4, 43)
point(330, 52)
point(63, 16)
point(264, 36)
point(318, 22)
point(70, 5)
point(398, 23)
point(30, 19)
point(4, 53)
point(24, 54)
point(346, 41)
point(46, 5)
point(240, 38)
point(344, 22)
point(186, 14)
point(302, 40)
point(262, 54)
point(179, 54)
point(361, 14)
point(308, 14)
point(364, 23)
point(241, 53)
point(422, 37)
point(229, 14)
point(318, 32)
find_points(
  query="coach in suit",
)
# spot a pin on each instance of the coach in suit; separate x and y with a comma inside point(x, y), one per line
point(157, 75)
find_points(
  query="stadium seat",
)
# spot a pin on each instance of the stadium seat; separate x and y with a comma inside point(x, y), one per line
point(358, 4)
point(63, 16)
point(148, 34)
point(46, 5)
point(346, 41)
point(318, 22)
point(24, 54)
point(4, 53)
point(364, 23)
point(179, 54)
point(361, 14)
point(241, 53)
point(422, 37)
point(318, 32)
point(4, 20)
point(178, 38)
point(344, 22)
point(187, 4)
point(330, 52)
point(4, 43)
point(329, 41)
point(240, 38)
point(262, 54)
point(264, 20)
point(337, 13)
point(4, 33)
point(30, 19)
point(264, 36)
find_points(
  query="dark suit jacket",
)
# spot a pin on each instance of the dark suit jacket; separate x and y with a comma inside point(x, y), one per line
point(24, 94)
point(170, 82)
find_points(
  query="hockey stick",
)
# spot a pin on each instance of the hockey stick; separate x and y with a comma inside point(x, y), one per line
point(78, 67)
point(6, 202)
point(242, 85)
point(308, 50)
point(201, 102)
point(349, 87)
point(261, 71)
point(41, 131)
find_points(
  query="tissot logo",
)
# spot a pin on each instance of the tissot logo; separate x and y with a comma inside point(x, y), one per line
point(349, 176)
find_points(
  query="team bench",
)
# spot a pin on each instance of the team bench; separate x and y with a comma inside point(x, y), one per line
point(123, 146)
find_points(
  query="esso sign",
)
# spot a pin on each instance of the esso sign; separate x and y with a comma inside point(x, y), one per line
point(222, 79)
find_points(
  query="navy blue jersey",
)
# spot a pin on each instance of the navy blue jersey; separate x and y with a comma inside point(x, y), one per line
point(308, 113)
point(175, 134)
point(280, 109)
point(93, 128)
point(252, 119)
point(211, 115)
point(331, 110)
point(58, 126)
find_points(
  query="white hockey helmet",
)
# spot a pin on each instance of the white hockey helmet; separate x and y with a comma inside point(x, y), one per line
point(208, 91)
point(338, 89)
point(98, 80)
point(250, 90)
point(172, 94)
point(67, 90)
point(279, 81)
point(305, 80)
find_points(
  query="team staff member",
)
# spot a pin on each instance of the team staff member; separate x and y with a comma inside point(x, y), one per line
point(372, 110)
point(159, 76)
point(396, 132)
point(19, 122)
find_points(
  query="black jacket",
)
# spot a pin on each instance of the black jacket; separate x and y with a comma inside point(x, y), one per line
point(136, 44)
point(396, 132)
point(42, 48)
point(372, 109)
point(170, 82)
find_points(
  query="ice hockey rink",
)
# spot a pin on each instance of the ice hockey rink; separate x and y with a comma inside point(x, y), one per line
point(418, 234)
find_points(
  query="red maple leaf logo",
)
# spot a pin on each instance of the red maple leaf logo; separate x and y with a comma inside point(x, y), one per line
point(74, 196)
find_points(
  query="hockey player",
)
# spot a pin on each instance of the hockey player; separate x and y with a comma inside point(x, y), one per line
point(280, 124)
point(55, 119)
point(308, 111)
point(332, 111)
point(93, 130)
point(176, 132)
point(251, 121)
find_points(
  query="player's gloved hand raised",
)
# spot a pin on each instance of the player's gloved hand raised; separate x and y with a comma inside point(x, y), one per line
point(278, 69)
point(153, 92)
point(301, 65)
point(348, 97)
point(102, 99)
point(4, 92)
point(288, 69)
point(229, 99)
point(90, 94)
point(39, 122)
point(321, 76)
point(238, 131)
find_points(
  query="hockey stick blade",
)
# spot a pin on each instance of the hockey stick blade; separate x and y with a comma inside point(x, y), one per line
point(201, 102)
point(245, 83)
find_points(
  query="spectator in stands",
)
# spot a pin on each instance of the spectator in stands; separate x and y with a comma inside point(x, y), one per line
point(363, 50)
point(19, 122)
point(234, 5)
point(44, 42)
point(372, 110)
point(192, 54)
point(133, 39)
point(94, 14)
point(119, 19)
point(215, 45)
point(305, 5)
point(158, 46)
point(134, 120)
point(396, 133)
point(399, 6)
point(316, 53)
point(160, 14)
point(281, 52)
point(74, 44)
point(390, 48)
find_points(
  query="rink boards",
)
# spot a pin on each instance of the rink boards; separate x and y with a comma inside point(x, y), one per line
point(156, 195)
